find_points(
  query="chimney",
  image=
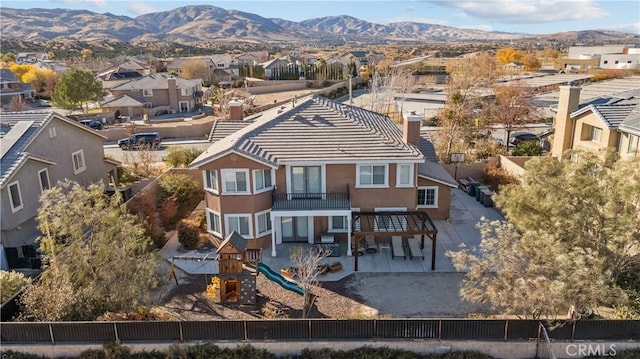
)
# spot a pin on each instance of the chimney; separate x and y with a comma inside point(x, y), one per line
point(568, 101)
point(173, 93)
point(235, 110)
point(411, 128)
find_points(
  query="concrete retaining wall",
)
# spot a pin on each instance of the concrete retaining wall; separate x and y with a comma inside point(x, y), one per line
point(510, 350)
point(185, 129)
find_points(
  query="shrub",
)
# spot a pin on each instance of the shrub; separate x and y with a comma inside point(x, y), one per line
point(10, 283)
point(495, 177)
point(181, 156)
point(182, 187)
point(188, 233)
point(10, 354)
point(528, 148)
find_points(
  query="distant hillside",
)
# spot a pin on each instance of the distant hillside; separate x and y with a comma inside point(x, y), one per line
point(206, 23)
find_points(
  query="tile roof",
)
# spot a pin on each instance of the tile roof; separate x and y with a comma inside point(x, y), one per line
point(24, 127)
point(157, 81)
point(316, 129)
point(430, 168)
point(632, 123)
point(224, 128)
point(125, 100)
point(612, 109)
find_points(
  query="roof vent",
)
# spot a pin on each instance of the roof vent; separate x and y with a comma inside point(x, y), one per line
point(317, 117)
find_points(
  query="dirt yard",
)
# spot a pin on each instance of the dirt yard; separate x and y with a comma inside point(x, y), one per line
point(361, 295)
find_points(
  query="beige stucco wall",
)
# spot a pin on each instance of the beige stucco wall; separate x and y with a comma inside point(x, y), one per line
point(609, 137)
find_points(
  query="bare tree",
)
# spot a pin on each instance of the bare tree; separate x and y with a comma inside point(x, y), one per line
point(512, 108)
point(307, 263)
point(17, 104)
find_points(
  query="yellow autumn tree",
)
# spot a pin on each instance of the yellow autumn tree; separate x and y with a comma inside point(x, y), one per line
point(20, 69)
point(531, 62)
point(508, 54)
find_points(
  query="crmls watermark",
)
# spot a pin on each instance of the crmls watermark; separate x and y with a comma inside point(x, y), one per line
point(582, 350)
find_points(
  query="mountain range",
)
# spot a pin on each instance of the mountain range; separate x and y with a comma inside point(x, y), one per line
point(205, 23)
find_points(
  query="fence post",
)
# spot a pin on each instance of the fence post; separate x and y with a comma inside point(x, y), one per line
point(573, 330)
point(244, 325)
point(180, 329)
point(115, 330)
point(53, 341)
point(309, 333)
point(375, 329)
point(440, 329)
point(506, 329)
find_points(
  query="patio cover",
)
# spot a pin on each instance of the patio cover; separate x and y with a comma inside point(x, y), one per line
point(407, 223)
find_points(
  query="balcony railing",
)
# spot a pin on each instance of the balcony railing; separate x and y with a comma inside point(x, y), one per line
point(310, 201)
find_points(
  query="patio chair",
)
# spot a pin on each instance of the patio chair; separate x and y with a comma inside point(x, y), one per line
point(414, 249)
point(397, 249)
point(370, 244)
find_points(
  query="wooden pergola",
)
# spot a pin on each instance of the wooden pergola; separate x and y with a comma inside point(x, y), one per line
point(408, 223)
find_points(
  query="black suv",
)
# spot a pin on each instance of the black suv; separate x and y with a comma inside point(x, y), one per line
point(148, 140)
point(96, 125)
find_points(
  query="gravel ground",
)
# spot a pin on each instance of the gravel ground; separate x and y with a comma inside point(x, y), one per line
point(361, 295)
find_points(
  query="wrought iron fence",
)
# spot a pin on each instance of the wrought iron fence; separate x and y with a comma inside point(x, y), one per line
point(315, 329)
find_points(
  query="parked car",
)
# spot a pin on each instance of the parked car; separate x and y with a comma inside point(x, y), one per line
point(146, 140)
point(96, 125)
point(522, 137)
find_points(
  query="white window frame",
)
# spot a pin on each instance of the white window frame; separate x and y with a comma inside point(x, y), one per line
point(226, 191)
point(338, 230)
point(399, 166)
point(19, 206)
point(185, 91)
point(42, 189)
point(52, 132)
point(268, 223)
point(634, 144)
point(435, 196)
point(595, 134)
point(359, 184)
point(83, 166)
point(217, 218)
point(390, 209)
point(255, 181)
point(147, 92)
point(210, 176)
point(229, 217)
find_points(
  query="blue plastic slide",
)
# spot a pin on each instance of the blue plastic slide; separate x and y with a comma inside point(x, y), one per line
point(278, 278)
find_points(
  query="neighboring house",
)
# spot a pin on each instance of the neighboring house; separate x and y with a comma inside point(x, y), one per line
point(154, 94)
point(280, 63)
point(125, 72)
point(252, 57)
point(302, 170)
point(11, 87)
point(514, 66)
point(39, 150)
point(30, 57)
point(363, 58)
point(611, 121)
point(177, 65)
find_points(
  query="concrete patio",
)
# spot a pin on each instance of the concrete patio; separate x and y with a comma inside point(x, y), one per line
point(459, 229)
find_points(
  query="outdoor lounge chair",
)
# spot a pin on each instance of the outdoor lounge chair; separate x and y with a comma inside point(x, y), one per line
point(414, 249)
point(397, 249)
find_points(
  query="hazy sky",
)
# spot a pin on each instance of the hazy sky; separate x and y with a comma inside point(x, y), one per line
point(527, 16)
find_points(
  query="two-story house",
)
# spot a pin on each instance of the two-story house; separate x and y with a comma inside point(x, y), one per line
point(11, 87)
point(611, 121)
point(154, 94)
point(299, 171)
point(38, 150)
point(205, 64)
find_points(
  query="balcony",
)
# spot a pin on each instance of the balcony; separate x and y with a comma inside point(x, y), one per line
point(310, 201)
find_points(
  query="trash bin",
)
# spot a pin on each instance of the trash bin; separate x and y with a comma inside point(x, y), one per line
point(487, 198)
point(479, 193)
point(473, 188)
